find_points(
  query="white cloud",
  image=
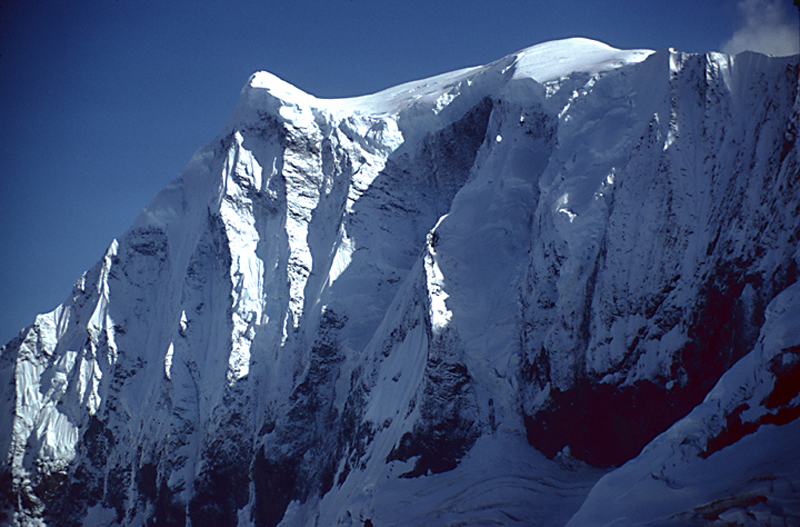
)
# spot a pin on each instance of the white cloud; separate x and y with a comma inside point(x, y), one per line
point(769, 27)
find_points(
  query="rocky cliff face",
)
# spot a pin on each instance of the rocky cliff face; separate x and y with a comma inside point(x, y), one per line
point(464, 299)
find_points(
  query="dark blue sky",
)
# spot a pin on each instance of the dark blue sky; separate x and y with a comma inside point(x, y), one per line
point(102, 103)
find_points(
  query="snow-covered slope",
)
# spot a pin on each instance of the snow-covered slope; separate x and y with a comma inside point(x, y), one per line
point(734, 459)
point(462, 300)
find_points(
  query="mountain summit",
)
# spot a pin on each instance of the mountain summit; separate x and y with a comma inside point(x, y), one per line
point(557, 289)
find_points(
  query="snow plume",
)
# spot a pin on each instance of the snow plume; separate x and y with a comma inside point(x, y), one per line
point(770, 27)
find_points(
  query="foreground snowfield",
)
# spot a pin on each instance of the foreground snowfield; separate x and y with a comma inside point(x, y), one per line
point(465, 300)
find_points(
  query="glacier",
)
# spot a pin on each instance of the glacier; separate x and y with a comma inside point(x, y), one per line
point(557, 289)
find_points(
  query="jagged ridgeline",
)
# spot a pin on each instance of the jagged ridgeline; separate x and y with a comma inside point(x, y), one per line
point(557, 289)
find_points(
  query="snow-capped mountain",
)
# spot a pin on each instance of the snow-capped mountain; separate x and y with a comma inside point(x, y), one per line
point(559, 288)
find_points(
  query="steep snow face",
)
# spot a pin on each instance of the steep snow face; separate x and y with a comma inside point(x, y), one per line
point(345, 306)
point(664, 229)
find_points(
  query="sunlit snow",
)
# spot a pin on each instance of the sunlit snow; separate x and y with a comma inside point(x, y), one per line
point(369, 296)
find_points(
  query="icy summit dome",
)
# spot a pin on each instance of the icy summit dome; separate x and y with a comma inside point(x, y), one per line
point(552, 60)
